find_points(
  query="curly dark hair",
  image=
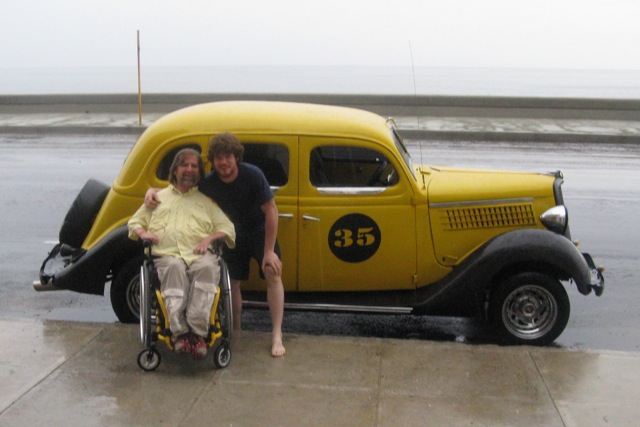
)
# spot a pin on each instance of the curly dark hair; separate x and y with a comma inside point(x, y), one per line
point(225, 143)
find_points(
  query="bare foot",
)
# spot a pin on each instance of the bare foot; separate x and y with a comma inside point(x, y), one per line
point(277, 349)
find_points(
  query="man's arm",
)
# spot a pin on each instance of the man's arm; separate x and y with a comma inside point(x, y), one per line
point(204, 245)
point(145, 235)
point(270, 234)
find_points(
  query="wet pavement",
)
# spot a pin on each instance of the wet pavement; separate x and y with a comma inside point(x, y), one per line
point(85, 374)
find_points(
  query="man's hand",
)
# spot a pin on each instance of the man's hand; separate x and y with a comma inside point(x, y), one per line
point(151, 199)
point(272, 262)
point(202, 247)
point(205, 244)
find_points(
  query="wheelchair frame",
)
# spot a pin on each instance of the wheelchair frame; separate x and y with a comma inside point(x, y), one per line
point(154, 323)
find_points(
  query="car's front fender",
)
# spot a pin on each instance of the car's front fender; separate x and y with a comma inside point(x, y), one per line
point(464, 290)
point(89, 273)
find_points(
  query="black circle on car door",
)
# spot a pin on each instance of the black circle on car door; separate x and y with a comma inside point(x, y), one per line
point(354, 238)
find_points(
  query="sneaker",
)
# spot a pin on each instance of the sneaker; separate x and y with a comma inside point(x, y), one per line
point(198, 348)
point(182, 345)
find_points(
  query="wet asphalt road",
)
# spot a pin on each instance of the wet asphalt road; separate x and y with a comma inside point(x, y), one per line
point(42, 175)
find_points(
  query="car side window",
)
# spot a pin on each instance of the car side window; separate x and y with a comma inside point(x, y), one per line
point(272, 159)
point(344, 166)
point(163, 170)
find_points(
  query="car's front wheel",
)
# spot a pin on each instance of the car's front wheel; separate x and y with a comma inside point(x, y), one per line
point(529, 308)
point(125, 292)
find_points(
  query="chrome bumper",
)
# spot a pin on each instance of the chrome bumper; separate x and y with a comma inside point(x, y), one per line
point(597, 279)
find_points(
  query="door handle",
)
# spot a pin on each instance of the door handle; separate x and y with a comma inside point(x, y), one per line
point(310, 218)
point(283, 215)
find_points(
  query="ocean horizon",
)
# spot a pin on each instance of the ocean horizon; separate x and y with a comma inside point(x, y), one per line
point(374, 80)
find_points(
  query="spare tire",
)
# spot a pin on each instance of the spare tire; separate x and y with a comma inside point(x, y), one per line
point(82, 213)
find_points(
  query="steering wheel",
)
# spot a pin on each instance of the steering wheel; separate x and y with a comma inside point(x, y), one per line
point(375, 178)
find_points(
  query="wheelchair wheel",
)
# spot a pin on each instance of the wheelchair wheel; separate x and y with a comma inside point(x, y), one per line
point(225, 310)
point(146, 326)
point(149, 359)
point(222, 356)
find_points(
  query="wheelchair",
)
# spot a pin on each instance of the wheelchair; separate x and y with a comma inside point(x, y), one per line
point(154, 323)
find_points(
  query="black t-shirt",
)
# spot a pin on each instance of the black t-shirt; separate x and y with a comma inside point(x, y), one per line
point(241, 199)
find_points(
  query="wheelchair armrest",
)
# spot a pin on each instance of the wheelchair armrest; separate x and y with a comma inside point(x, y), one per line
point(218, 245)
point(146, 245)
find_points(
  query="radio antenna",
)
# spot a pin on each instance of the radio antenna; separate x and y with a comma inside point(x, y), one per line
point(415, 107)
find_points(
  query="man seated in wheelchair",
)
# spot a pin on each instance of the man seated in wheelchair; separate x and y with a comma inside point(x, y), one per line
point(182, 228)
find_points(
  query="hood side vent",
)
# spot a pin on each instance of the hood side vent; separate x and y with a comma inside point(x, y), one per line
point(517, 215)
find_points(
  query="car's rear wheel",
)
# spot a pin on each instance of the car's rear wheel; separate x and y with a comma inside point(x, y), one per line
point(529, 308)
point(125, 291)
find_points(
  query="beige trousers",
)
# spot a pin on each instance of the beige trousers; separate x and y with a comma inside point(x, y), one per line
point(188, 292)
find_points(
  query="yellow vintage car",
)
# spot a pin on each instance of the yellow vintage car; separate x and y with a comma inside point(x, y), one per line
point(362, 227)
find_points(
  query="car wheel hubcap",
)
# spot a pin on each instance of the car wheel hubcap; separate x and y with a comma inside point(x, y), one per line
point(529, 312)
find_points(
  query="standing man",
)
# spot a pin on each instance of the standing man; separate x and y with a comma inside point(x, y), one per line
point(182, 229)
point(243, 193)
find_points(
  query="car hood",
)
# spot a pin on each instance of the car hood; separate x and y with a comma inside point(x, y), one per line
point(456, 185)
point(469, 207)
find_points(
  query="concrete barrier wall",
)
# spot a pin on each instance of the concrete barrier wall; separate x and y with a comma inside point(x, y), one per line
point(386, 105)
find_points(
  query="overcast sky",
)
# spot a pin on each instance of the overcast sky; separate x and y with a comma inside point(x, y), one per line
point(573, 34)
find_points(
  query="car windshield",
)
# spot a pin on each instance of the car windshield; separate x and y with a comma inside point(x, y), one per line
point(402, 149)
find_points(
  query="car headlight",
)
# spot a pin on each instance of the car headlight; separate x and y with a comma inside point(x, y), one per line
point(556, 219)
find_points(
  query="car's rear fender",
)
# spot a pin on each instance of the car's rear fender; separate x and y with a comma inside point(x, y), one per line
point(464, 291)
point(89, 273)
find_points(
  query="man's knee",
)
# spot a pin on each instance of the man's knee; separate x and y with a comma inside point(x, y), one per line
point(171, 263)
point(273, 279)
point(270, 273)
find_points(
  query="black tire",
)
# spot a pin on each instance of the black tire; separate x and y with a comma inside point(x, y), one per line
point(225, 307)
point(146, 301)
point(529, 308)
point(125, 291)
point(222, 356)
point(83, 211)
point(149, 359)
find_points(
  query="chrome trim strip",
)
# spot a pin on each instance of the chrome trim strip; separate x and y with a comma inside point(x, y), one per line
point(352, 191)
point(480, 203)
point(334, 307)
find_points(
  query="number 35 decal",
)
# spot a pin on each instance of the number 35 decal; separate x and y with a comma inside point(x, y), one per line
point(354, 238)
